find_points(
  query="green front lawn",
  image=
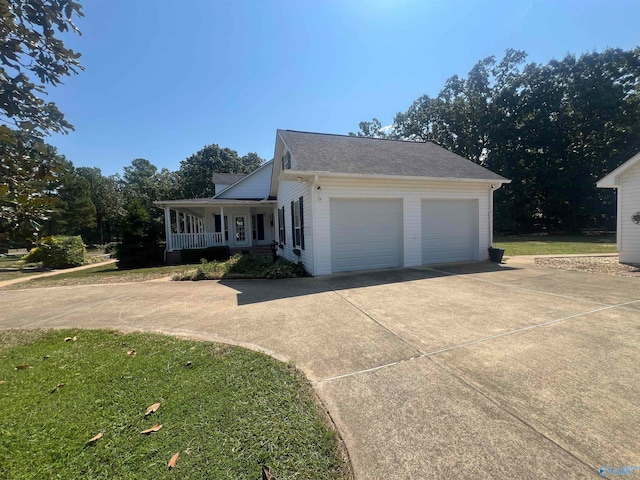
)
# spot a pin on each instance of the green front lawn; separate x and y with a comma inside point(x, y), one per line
point(238, 266)
point(552, 245)
point(103, 274)
point(226, 410)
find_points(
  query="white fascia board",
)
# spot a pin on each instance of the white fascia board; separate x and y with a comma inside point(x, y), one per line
point(294, 174)
point(613, 179)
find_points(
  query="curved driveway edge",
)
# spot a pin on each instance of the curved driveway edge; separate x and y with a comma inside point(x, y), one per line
point(464, 371)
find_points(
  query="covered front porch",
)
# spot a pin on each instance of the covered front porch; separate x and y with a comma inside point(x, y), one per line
point(205, 222)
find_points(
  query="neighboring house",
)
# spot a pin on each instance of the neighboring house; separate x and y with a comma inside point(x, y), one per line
point(340, 203)
point(626, 179)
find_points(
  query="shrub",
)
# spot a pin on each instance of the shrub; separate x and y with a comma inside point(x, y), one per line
point(140, 244)
point(58, 252)
point(209, 254)
point(110, 247)
point(285, 269)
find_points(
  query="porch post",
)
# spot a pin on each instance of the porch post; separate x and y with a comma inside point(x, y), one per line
point(224, 241)
point(167, 228)
point(184, 222)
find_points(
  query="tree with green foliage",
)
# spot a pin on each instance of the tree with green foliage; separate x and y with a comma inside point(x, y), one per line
point(29, 167)
point(31, 57)
point(108, 202)
point(140, 244)
point(197, 170)
point(74, 210)
point(372, 129)
point(552, 129)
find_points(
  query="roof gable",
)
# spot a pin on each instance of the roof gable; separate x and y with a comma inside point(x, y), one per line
point(317, 152)
point(613, 179)
point(252, 186)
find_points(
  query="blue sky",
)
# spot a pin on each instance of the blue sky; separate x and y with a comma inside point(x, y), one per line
point(164, 78)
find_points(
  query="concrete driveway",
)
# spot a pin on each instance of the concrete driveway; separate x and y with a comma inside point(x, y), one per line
point(471, 371)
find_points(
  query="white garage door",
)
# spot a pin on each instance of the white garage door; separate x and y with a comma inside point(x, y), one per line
point(449, 231)
point(365, 234)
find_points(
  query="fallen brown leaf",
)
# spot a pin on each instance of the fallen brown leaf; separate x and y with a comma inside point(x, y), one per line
point(46, 357)
point(152, 409)
point(266, 473)
point(173, 461)
point(74, 339)
point(22, 367)
point(68, 339)
point(155, 428)
point(131, 352)
point(1, 382)
point(189, 364)
point(96, 438)
point(60, 385)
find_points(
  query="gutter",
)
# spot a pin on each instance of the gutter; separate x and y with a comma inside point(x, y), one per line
point(292, 174)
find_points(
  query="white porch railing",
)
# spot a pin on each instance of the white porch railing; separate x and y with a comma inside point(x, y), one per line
point(181, 241)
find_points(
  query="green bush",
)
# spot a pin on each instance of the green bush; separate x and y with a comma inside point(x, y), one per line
point(285, 269)
point(209, 254)
point(140, 246)
point(111, 247)
point(58, 252)
point(244, 266)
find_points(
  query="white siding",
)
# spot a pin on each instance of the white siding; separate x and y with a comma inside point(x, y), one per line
point(628, 204)
point(412, 193)
point(288, 192)
point(253, 186)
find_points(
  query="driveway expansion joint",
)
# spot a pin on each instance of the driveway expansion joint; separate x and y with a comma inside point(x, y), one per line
point(429, 355)
point(508, 412)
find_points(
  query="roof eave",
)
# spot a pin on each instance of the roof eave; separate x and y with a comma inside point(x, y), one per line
point(211, 201)
point(293, 174)
point(613, 179)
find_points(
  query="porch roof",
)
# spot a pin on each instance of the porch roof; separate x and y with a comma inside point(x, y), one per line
point(216, 202)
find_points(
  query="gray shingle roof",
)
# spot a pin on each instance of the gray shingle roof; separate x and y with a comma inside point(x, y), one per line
point(321, 152)
point(227, 178)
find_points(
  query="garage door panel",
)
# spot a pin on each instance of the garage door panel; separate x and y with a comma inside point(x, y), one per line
point(449, 231)
point(365, 234)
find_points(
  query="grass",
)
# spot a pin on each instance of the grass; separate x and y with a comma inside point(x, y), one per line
point(101, 274)
point(560, 245)
point(238, 266)
point(227, 410)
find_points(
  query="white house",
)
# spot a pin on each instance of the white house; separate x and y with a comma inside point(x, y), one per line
point(340, 203)
point(626, 179)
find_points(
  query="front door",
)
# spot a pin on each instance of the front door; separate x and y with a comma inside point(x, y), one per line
point(240, 230)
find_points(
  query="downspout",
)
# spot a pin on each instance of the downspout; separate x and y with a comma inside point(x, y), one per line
point(492, 189)
point(314, 210)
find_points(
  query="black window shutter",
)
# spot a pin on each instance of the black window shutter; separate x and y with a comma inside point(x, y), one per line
point(302, 223)
point(218, 222)
point(260, 220)
point(284, 230)
point(293, 225)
